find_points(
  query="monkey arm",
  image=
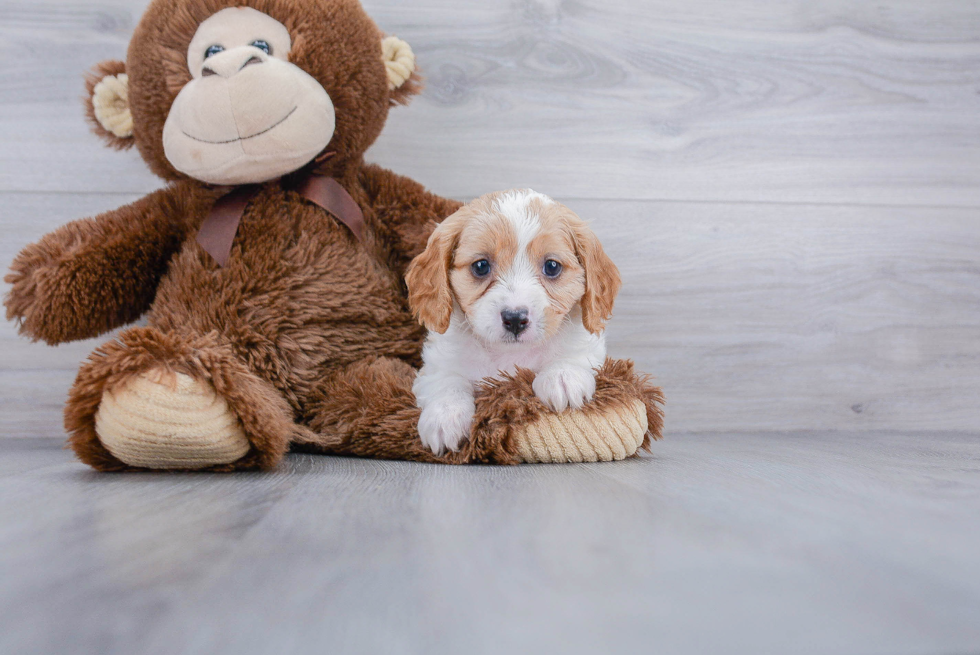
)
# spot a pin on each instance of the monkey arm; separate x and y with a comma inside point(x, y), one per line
point(95, 274)
point(404, 213)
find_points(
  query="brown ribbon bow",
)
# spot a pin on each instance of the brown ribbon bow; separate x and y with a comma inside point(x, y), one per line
point(218, 230)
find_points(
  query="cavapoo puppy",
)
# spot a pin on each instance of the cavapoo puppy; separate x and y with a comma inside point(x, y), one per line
point(513, 279)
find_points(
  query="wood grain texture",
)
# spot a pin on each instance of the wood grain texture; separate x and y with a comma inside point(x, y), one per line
point(789, 317)
point(751, 316)
point(736, 543)
point(831, 101)
point(791, 192)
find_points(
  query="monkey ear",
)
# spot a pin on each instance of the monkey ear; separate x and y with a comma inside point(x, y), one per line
point(107, 104)
point(404, 80)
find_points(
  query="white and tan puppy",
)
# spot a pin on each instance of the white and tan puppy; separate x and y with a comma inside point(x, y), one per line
point(513, 279)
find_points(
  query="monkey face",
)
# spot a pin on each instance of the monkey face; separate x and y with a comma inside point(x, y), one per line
point(235, 92)
point(248, 115)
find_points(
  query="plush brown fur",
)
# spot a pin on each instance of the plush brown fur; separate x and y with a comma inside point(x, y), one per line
point(266, 418)
point(96, 274)
point(503, 408)
point(306, 332)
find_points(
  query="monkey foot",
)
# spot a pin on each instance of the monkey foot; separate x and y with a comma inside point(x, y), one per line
point(607, 435)
point(166, 420)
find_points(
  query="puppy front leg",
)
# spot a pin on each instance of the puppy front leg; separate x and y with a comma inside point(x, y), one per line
point(569, 381)
point(447, 404)
point(565, 384)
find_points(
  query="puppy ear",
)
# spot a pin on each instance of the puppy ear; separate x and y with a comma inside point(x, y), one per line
point(429, 293)
point(107, 104)
point(602, 281)
point(404, 80)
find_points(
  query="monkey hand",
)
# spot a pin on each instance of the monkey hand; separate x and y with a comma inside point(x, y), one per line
point(93, 275)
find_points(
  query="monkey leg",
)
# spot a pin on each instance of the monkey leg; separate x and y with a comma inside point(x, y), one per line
point(368, 410)
point(621, 419)
point(149, 400)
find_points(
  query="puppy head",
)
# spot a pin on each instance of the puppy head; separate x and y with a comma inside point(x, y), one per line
point(515, 263)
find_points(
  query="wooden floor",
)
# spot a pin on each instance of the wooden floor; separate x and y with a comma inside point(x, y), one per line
point(792, 192)
point(722, 543)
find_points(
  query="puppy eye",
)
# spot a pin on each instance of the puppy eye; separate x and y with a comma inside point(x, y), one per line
point(480, 268)
point(552, 268)
point(213, 50)
point(262, 45)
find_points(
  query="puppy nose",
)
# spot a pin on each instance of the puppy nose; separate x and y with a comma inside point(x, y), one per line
point(515, 321)
point(231, 62)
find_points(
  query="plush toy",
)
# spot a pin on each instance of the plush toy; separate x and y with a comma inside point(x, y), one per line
point(270, 267)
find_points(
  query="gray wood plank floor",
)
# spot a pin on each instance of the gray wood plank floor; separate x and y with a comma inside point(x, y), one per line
point(724, 543)
point(792, 192)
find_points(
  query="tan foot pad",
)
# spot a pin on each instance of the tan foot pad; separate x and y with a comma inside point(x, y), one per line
point(574, 436)
point(163, 420)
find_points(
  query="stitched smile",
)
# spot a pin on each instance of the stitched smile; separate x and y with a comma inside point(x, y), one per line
point(246, 138)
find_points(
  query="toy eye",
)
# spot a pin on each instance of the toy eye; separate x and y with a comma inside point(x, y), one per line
point(552, 268)
point(262, 45)
point(480, 268)
point(213, 50)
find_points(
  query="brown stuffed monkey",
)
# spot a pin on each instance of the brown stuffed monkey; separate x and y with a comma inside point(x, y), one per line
point(270, 267)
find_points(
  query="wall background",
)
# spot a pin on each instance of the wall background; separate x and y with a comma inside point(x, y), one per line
point(791, 190)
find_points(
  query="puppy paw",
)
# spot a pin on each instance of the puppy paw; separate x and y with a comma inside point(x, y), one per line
point(445, 424)
point(562, 387)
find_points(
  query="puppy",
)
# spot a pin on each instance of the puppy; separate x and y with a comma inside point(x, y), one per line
point(511, 279)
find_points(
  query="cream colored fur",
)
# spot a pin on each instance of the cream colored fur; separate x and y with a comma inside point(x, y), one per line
point(399, 61)
point(110, 99)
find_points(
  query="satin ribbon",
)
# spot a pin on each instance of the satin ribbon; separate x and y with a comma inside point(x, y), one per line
point(217, 233)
